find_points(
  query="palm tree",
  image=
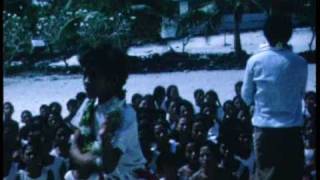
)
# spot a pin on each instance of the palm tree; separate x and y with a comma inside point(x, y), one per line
point(237, 7)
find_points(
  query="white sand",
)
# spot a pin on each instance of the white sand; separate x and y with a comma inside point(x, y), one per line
point(30, 92)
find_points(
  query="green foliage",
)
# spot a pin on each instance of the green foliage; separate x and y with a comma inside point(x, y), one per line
point(96, 27)
point(146, 26)
point(306, 12)
point(198, 22)
point(17, 37)
point(66, 25)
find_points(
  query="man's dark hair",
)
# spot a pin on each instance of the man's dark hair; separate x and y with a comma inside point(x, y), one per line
point(109, 61)
point(278, 28)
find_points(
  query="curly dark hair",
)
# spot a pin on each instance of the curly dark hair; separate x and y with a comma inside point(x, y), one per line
point(109, 61)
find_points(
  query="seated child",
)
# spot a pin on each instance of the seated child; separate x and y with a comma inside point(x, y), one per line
point(50, 162)
point(159, 94)
point(209, 169)
point(198, 134)
point(199, 99)
point(62, 146)
point(191, 154)
point(33, 165)
point(136, 100)
point(79, 172)
point(26, 118)
point(72, 106)
point(10, 168)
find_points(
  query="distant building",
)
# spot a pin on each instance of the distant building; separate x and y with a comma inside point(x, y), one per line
point(183, 7)
point(168, 28)
point(41, 2)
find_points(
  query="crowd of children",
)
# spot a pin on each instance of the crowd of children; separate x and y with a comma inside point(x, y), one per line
point(208, 140)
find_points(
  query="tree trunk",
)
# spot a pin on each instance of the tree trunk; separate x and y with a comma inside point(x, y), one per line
point(185, 43)
point(312, 38)
point(237, 40)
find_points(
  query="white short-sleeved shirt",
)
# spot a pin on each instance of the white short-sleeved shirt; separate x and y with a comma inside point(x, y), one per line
point(126, 138)
point(275, 82)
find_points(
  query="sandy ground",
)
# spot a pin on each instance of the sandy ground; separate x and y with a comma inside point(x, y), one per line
point(250, 42)
point(29, 92)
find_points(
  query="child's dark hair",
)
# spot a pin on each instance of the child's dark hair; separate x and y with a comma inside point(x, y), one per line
point(71, 102)
point(310, 94)
point(166, 160)
point(58, 106)
point(108, 61)
point(214, 148)
point(239, 83)
point(278, 28)
point(169, 89)
point(44, 106)
point(215, 97)
point(188, 105)
point(81, 96)
point(228, 104)
point(159, 90)
point(197, 91)
point(26, 111)
point(9, 104)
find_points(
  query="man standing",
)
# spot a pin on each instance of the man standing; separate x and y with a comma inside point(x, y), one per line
point(107, 137)
point(275, 82)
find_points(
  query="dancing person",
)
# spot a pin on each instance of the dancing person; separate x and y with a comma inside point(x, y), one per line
point(107, 136)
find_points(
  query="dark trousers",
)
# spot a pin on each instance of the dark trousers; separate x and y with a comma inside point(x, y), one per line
point(279, 153)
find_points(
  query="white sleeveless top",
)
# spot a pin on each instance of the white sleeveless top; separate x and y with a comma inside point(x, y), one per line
point(12, 172)
point(23, 175)
point(55, 167)
point(249, 162)
point(69, 176)
point(55, 152)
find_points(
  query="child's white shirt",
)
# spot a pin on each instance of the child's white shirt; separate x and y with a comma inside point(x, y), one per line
point(12, 172)
point(69, 176)
point(55, 152)
point(55, 167)
point(249, 162)
point(23, 175)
